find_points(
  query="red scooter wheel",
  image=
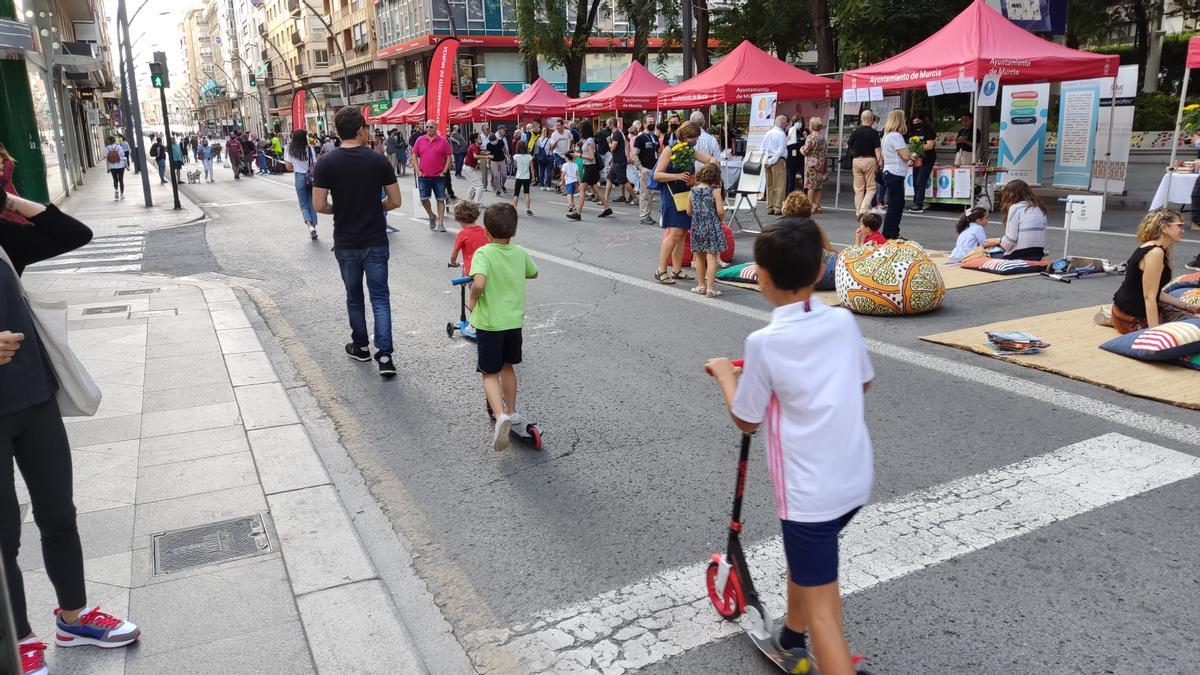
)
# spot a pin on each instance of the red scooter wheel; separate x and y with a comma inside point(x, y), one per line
point(730, 603)
point(535, 436)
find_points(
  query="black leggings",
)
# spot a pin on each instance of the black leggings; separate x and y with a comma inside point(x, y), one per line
point(36, 438)
point(118, 179)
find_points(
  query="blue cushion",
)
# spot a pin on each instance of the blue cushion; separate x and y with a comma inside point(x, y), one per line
point(1172, 340)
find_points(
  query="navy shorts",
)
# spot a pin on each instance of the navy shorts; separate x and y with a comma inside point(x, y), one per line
point(812, 550)
point(432, 184)
point(497, 348)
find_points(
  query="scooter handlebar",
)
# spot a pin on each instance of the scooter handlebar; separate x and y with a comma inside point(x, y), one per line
point(737, 363)
point(459, 281)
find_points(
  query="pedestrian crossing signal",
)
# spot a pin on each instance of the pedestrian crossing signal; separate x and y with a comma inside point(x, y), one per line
point(158, 78)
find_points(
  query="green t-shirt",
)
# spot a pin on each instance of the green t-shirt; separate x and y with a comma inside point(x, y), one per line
point(501, 306)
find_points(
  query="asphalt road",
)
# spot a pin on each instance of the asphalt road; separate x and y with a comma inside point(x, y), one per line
point(638, 467)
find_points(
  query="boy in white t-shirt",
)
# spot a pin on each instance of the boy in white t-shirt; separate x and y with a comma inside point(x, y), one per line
point(570, 185)
point(522, 161)
point(804, 376)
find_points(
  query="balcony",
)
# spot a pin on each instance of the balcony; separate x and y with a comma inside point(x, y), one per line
point(299, 69)
point(266, 55)
point(262, 29)
point(296, 39)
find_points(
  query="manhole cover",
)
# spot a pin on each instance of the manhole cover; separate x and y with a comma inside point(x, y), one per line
point(213, 543)
point(111, 309)
point(137, 291)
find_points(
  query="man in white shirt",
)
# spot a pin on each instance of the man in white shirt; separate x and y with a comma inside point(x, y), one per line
point(707, 143)
point(774, 147)
point(560, 143)
point(484, 163)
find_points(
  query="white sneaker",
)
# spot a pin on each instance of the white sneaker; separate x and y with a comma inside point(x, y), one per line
point(500, 438)
point(116, 195)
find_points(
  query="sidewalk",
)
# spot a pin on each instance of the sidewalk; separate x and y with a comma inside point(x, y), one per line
point(206, 513)
point(93, 204)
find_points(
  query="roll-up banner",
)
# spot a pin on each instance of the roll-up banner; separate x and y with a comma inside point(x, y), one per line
point(439, 88)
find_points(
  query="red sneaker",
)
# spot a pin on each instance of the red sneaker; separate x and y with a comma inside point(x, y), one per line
point(33, 656)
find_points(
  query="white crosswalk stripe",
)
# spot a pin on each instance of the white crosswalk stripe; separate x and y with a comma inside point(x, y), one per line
point(115, 253)
point(669, 612)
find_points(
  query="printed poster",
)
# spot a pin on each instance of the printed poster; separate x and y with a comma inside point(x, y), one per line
point(1078, 110)
point(762, 117)
point(1023, 112)
point(1115, 165)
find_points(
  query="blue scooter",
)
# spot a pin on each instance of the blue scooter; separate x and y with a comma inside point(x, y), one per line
point(462, 325)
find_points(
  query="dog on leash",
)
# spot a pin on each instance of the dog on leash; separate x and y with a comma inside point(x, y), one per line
point(193, 176)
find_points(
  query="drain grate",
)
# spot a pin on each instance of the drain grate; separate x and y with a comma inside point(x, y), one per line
point(111, 309)
point(137, 291)
point(208, 544)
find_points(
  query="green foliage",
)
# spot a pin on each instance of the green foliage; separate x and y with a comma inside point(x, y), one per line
point(873, 30)
point(1155, 112)
point(783, 27)
point(542, 25)
point(1170, 72)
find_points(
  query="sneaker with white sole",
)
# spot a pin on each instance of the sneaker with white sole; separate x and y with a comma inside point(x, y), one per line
point(95, 628)
point(1194, 264)
point(387, 367)
point(33, 656)
point(500, 438)
point(358, 353)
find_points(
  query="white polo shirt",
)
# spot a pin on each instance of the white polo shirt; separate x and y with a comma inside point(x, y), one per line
point(803, 377)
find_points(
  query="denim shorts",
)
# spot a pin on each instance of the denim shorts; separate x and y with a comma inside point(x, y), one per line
point(812, 549)
point(434, 184)
point(572, 188)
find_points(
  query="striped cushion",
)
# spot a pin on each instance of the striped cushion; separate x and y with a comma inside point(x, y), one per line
point(1003, 266)
point(1173, 340)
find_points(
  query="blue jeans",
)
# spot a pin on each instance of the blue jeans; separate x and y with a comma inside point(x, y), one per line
point(546, 172)
point(162, 169)
point(921, 182)
point(434, 184)
point(458, 162)
point(371, 262)
point(304, 195)
point(894, 185)
point(262, 162)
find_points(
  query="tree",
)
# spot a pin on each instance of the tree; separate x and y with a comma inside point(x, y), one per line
point(824, 36)
point(642, 15)
point(542, 24)
point(780, 26)
point(703, 29)
point(1088, 21)
point(873, 30)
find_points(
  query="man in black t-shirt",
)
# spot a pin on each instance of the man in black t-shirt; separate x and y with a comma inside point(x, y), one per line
point(616, 145)
point(646, 155)
point(355, 176)
point(865, 160)
point(920, 126)
point(964, 145)
point(498, 148)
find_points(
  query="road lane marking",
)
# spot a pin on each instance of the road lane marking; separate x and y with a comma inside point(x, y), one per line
point(669, 613)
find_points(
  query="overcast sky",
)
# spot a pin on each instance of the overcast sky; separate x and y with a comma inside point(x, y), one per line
point(156, 28)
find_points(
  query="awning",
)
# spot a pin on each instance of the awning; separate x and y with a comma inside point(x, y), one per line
point(634, 89)
point(745, 71)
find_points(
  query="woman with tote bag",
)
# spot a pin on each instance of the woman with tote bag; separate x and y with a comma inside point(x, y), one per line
point(40, 380)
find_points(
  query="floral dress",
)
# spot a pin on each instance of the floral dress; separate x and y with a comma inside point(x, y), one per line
point(815, 166)
point(707, 236)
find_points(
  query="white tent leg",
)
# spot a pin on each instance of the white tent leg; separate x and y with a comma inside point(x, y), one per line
point(1112, 109)
point(725, 125)
point(1179, 115)
point(837, 193)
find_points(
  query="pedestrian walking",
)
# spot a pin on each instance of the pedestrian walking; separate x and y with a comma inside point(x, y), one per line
point(301, 160)
point(402, 151)
point(865, 159)
point(922, 128)
point(497, 303)
point(234, 145)
point(674, 176)
point(115, 158)
point(523, 161)
point(354, 175)
point(159, 152)
point(707, 210)
point(216, 151)
point(249, 151)
point(176, 158)
point(646, 147)
point(32, 436)
point(816, 164)
point(619, 164)
point(458, 144)
point(896, 160)
point(774, 147)
point(204, 154)
point(560, 144)
point(276, 154)
point(471, 170)
point(543, 160)
point(591, 170)
point(500, 153)
point(569, 179)
point(432, 158)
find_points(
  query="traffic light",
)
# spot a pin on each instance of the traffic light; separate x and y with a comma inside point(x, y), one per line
point(157, 78)
point(253, 80)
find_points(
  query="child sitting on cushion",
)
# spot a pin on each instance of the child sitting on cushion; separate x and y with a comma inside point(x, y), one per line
point(868, 229)
point(805, 374)
point(970, 233)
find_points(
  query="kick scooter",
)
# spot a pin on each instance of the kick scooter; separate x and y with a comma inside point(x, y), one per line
point(731, 589)
point(529, 432)
point(462, 326)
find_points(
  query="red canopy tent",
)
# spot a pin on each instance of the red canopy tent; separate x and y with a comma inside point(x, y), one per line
point(979, 42)
point(397, 107)
point(497, 94)
point(744, 71)
point(539, 99)
point(415, 114)
point(1192, 61)
point(635, 89)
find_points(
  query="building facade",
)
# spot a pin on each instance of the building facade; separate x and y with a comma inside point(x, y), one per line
point(295, 50)
point(58, 84)
point(354, 54)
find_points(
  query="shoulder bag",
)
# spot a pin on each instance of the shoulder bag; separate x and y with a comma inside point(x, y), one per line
point(78, 395)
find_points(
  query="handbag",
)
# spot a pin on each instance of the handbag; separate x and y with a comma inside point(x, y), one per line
point(312, 167)
point(78, 395)
point(683, 198)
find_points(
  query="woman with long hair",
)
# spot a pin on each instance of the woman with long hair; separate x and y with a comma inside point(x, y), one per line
point(896, 161)
point(301, 159)
point(673, 179)
point(8, 167)
point(592, 163)
point(1140, 301)
point(33, 436)
point(1024, 224)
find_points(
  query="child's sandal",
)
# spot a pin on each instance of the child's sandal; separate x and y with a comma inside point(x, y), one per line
point(713, 293)
point(699, 290)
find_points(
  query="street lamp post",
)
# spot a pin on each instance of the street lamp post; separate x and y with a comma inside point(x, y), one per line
point(261, 106)
point(340, 51)
point(131, 100)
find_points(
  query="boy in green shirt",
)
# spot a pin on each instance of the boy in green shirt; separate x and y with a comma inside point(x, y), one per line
point(497, 304)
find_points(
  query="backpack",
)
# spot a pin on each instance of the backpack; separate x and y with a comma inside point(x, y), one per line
point(154, 150)
point(114, 156)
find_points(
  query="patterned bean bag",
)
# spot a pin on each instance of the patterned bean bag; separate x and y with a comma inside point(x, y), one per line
point(892, 279)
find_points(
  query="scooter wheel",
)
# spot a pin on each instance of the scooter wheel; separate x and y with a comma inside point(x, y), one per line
point(535, 436)
point(450, 329)
point(730, 603)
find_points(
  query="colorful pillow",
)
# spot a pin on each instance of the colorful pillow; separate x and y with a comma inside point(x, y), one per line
point(1004, 266)
point(1173, 340)
point(1186, 281)
point(745, 273)
point(892, 279)
point(1189, 296)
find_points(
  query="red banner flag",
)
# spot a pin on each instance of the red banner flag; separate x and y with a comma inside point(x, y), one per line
point(441, 77)
point(298, 120)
